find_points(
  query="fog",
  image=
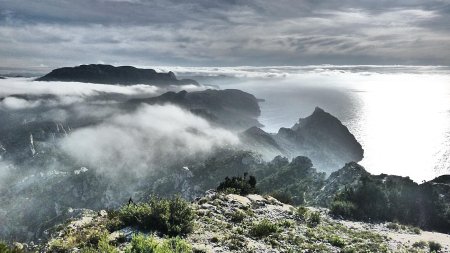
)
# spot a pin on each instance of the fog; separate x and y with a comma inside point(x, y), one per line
point(66, 145)
point(151, 137)
point(100, 133)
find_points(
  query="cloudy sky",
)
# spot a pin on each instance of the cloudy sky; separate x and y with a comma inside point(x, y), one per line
point(51, 33)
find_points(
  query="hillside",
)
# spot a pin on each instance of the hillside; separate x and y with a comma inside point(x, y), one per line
point(230, 223)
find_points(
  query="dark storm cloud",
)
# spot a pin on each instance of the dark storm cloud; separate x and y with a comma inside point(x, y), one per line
point(142, 32)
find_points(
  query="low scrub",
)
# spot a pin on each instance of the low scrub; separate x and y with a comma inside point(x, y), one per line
point(4, 248)
point(302, 212)
point(102, 246)
point(172, 217)
point(144, 244)
point(434, 246)
point(263, 228)
point(314, 219)
point(343, 208)
point(283, 197)
point(237, 216)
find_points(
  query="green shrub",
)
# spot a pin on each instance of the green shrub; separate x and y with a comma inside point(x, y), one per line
point(336, 241)
point(238, 185)
point(144, 244)
point(314, 219)
point(102, 246)
point(237, 216)
point(168, 216)
point(4, 248)
point(283, 197)
point(420, 244)
point(236, 242)
point(345, 209)
point(434, 246)
point(393, 226)
point(263, 228)
point(416, 230)
point(286, 223)
point(302, 212)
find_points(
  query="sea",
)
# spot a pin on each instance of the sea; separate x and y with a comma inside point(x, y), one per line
point(399, 114)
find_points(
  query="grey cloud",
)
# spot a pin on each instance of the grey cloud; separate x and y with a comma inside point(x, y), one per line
point(286, 32)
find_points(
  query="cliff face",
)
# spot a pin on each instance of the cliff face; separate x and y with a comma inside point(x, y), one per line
point(107, 74)
point(321, 137)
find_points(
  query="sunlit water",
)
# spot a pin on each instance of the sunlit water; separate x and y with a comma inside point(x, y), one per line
point(400, 115)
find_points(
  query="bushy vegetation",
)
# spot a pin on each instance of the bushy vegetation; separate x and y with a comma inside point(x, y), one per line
point(102, 246)
point(149, 244)
point(4, 248)
point(420, 244)
point(393, 226)
point(293, 182)
point(302, 212)
point(314, 219)
point(384, 198)
point(237, 216)
point(238, 185)
point(263, 228)
point(434, 246)
point(283, 197)
point(343, 208)
point(169, 216)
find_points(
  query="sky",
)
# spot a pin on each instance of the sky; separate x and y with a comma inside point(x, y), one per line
point(44, 34)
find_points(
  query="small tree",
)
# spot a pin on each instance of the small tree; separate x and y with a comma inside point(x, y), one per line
point(238, 185)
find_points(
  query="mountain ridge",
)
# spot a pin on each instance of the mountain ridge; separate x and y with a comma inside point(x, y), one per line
point(108, 74)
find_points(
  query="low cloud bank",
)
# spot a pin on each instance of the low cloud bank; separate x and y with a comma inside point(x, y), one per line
point(24, 93)
point(151, 137)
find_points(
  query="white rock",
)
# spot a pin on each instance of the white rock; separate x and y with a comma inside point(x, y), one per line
point(240, 199)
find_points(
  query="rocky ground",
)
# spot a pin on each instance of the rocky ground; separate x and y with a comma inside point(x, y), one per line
point(255, 223)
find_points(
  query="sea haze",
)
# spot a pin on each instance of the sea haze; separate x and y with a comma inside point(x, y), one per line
point(400, 114)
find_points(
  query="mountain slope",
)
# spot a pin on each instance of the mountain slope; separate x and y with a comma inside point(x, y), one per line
point(233, 223)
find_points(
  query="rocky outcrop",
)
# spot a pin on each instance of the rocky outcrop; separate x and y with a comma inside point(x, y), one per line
point(349, 176)
point(263, 142)
point(320, 136)
point(107, 74)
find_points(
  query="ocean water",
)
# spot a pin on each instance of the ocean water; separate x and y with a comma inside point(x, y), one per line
point(400, 114)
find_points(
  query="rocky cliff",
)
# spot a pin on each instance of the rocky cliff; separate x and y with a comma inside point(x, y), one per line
point(320, 136)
